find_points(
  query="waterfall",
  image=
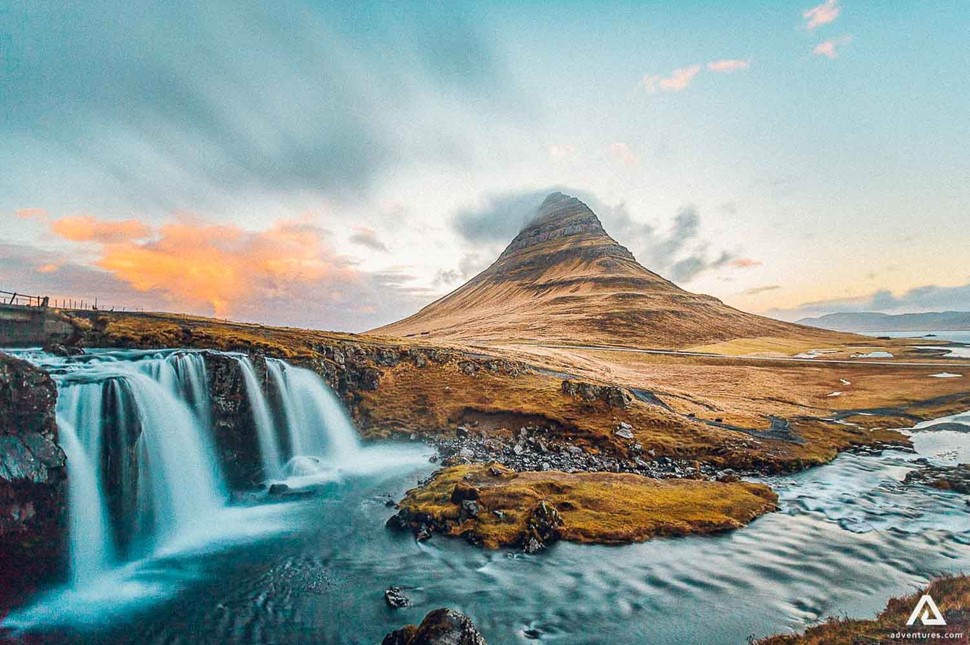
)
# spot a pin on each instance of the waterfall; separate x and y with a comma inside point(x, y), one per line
point(263, 421)
point(138, 433)
point(184, 484)
point(90, 547)
point(141, 465)
point(316, 423)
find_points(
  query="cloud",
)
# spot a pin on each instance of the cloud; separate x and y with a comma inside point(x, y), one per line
point(285, 274)
point(177, 106)
point(753, 291)
point(498, 218)
point(680, 253)
point(830, 48)
point(728, 65)
point(367, 237)
point(745, 263)
point(561, 152)
point(920, 299)
point(621, 153)
point(469, 266)
point(678, 80)
point(822, 14)
point(84, 228)
point(32, 213)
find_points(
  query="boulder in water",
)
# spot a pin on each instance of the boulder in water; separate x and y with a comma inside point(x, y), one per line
point(440, 627)
point(395, 598)
point(278, 489)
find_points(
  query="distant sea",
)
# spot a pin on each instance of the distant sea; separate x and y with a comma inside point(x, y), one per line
point(957, 336)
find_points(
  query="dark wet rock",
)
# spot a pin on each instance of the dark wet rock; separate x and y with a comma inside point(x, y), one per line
point(469, 508)
point(955, 478)
point(370, 379)
point(423, 533)
point(395, 598)
point(440, 627)
point(57, 349)
point(613, 396)
point(532, 545)
point(278, 489)
point(543, 527)
point(236, 439)
point(33, 477)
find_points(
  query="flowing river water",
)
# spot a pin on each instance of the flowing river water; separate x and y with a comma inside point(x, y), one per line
point(188, 566)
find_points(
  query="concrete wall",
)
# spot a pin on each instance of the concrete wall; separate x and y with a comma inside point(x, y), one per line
point(32, 326)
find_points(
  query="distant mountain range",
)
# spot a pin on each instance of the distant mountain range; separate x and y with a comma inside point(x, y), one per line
point(871, 321)
point(563, 279)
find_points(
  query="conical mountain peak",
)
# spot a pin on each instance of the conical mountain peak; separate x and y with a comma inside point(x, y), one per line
point(566, 221)
point(563, 279)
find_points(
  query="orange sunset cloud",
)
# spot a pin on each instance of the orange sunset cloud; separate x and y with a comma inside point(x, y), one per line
point(220, 266)
point(84, 228)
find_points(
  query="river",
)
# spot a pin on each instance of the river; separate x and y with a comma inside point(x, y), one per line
point(313, 569)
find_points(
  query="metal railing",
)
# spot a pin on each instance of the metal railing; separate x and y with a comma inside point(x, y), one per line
point(22, 299)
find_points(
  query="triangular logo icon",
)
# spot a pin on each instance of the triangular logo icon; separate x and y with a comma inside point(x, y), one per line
point(927, 612)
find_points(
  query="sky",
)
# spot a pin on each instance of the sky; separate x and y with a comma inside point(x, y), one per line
point(339, 165)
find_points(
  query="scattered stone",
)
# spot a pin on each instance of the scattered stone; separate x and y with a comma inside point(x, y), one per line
point(395, 598)
point(623, 433)
point(461, 432)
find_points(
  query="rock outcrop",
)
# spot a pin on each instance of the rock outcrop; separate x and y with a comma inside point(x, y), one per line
point(613, 396)
point(440, 627)
point(236, 440)
point(495, 507)
point(33, 483)
point(955, 478)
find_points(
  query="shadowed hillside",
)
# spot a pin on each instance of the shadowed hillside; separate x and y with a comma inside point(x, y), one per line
point(563, 279)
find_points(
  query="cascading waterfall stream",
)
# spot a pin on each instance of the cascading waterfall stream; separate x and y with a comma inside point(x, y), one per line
point(269, 447)
point(138, 433)
point(316, 423)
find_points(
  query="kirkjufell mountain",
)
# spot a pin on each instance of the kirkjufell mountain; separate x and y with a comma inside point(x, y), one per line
point(563, 279)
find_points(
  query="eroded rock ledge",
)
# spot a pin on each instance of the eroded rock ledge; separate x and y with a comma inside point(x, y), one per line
point(33, 487)
point(495, 507)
